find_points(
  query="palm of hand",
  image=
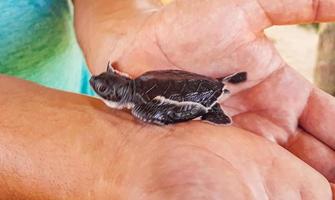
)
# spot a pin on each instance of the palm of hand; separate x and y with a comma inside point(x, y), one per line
point(199, 37)
point(227, 40)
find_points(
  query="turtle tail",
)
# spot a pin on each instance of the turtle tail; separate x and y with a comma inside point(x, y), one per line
point(235, 78)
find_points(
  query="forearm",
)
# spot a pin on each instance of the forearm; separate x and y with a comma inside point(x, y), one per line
point(52, 144)
point(56, 145)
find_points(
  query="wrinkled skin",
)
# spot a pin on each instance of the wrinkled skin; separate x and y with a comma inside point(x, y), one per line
point(216, 38)
point(67, 146)
point(114, 156)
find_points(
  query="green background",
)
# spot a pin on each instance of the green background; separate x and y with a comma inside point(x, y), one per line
point(37, 43)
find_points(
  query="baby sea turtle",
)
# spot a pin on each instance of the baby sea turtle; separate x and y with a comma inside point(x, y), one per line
point(166, 96)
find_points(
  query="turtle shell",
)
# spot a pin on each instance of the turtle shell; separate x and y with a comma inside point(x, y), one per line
point(179, 86)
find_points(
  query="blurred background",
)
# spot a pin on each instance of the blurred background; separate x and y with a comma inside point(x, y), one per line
point(310, 49)
point(37, 43)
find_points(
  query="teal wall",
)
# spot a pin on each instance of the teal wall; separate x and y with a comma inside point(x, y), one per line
point(37, 43)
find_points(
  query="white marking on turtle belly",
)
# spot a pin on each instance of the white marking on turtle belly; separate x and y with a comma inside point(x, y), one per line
point(178, 103)
point(116, 105)
point(198, 118)
point(222, 97)
point(212, 123)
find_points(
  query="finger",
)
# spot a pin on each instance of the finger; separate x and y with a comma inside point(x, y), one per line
point(309, 149)
point(282, 12)
point(318, 117)
point(333, 188)
point(274, 164)
point(304, 146)
point(315, 153)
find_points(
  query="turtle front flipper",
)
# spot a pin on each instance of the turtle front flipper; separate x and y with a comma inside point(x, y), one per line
point(163, 111)
point(217, 116)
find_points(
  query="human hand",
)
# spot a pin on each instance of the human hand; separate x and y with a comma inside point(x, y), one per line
point(57, 145)
point(217, 38)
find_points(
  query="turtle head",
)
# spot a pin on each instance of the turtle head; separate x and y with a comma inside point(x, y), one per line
point(114, 88)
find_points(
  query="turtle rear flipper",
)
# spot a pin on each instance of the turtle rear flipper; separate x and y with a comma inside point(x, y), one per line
point(217, 116)
point(235, 78)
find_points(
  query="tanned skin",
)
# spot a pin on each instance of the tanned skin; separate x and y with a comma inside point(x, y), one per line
point(56, 145)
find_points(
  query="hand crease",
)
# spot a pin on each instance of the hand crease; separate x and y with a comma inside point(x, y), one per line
point(140, 29)
point(305, 111)
point(316, 7)
point(291, 141)
point(239, 47)
point(159, 45)
point(268, 17)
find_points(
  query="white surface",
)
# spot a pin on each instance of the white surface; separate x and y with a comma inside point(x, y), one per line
point(298, 47)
